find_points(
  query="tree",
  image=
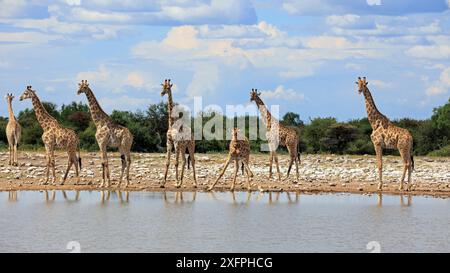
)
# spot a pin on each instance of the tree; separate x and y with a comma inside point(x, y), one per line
point(292, 119)
point(338, 136)
point(75, 116)
point(315, 132)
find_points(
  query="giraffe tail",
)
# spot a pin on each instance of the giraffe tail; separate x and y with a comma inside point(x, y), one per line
point(412, 162)
point(79, 157)
point(298, 156)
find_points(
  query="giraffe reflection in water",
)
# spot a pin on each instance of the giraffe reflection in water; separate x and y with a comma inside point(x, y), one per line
point(179, 197)
point(122, 197)
point(408, 198)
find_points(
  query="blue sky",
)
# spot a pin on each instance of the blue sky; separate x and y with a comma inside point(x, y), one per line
point(304, 55)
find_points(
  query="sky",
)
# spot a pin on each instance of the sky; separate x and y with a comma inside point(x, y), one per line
point(303, 55)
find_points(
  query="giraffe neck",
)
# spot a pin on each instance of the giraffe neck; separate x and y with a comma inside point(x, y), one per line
point(11, 113)
point(267, 118)
point(42, 116)
point(374, 116)
point(97, 113)
point(170, 108)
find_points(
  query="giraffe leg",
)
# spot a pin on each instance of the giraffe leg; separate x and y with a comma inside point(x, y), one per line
point(182, 169)
point(278, 166)
point(75, 163)
point(297, 162)
point(47, 169)
point(124, 165)
point(270, 164)
point(249, 186)
point(406, 166)
point(104, 167)
point(379, 152)
point(410, 169)
point(177, 158)
point(10, 154)
point(249, 172)
point(69, 165)
point(236, 169)
point(128, 157)
point(15, 161)
point(53, 166)
point(169, 151)
point(291, 162)
point(292, 156)
point(221, 173)
point(107, 173)
point(192, 159)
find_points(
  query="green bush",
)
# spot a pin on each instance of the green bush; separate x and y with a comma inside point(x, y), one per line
point(444, 151)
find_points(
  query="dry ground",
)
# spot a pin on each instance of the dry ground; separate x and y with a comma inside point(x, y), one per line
point(318, 173)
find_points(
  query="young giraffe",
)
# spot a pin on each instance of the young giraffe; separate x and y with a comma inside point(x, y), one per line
point(179, 138)
point(54, 136)
point(386, 135)
point(239, 150)
point(277, 134)
point(109, 134)
point(13, 133)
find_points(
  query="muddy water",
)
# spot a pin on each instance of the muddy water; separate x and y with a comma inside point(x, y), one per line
point(221, 222)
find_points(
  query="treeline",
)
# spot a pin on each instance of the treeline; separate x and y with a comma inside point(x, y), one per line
point(317, 135)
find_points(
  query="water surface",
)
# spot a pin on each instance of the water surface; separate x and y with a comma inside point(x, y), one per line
point(34, 221)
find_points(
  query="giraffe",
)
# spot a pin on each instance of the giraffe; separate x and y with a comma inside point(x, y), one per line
point(277, 134)
point(109, 134)
point(239, 150)
point(181, 139)
point(54, 136)
point(386, 135)
point(13, 132)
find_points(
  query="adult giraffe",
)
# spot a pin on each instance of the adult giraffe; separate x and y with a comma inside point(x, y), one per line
point(54, 136)
point(178, 137)
point(387, 135)
point(13, 132)
point(109, 134)
point(277, 134)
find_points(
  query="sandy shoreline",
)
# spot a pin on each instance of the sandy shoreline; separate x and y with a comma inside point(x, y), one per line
point(318, 174)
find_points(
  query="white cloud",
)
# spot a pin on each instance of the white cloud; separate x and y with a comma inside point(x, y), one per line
point(380, 84)
point(204, 81)
point(442, 85)
point(280, 93)
point(135, 79)
point(124, 102)
point(430, 52)
point(11, 8)
point(321, 7)
point(270, 49)
point(343, 20)
point(353, 66)
point(73, 2)
point(101, 75)
point(161, 12)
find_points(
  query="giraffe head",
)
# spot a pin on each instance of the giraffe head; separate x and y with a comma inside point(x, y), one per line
point(254, 94)
point(9, 97)
point(83, 87)
point(362, 84)
point(27, 94)
point(166, 87)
